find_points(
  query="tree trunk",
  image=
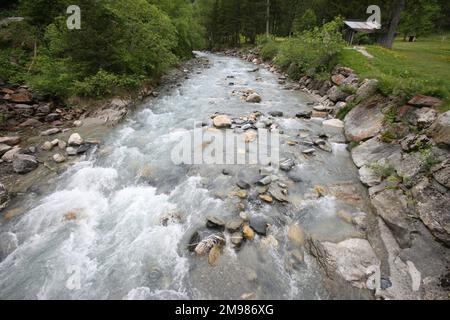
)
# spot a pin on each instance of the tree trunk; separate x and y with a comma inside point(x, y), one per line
point(268, 18)
point(388, 39)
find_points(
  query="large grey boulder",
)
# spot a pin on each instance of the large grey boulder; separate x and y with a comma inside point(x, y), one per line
point(23, 163)
point(364, 122)
point(432, 204)
point(353, 259)
point(440, 130)
point(367, 89)
point(335, 94)
point(392, 206)
point(372, 151)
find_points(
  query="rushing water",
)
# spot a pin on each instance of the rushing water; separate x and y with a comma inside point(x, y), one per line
point(117, 247)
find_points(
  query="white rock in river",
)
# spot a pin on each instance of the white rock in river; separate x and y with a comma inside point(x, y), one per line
point(334, 123)
point(221, 121)
point(59, 158)
point(47, 146)
point(75, 140)
point(254, 98)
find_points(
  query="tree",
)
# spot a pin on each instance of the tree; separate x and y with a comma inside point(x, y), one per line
point(419, 18)
point(387, 40)
point(305, 22)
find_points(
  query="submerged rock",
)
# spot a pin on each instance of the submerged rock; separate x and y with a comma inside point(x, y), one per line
point(248, 232)
point(234, 225)
point(259, 224)
point(296, 235)
point(23, 163)
point(215, 222)
point(254, 98)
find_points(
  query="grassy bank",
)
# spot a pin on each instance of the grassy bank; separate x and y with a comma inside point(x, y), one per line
point(421, 67)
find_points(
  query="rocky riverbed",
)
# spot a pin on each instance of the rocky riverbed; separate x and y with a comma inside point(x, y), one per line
point(134, 225)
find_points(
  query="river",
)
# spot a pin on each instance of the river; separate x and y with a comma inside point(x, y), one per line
point(97, 232)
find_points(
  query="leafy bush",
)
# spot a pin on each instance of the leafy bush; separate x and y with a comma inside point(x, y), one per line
point(269, 50)
point(311, 52)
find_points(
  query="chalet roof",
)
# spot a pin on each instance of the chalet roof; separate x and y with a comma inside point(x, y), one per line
point(363, 26)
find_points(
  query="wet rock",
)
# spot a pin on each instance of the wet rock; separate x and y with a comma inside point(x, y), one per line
point(9, 155)
point(276, 113)
point(265, 181)
point(278, 193)
point(215, 223)
point(248, 232)
point(304, 115)
point(23, 163)
point(58, 158)
point(267, 198)
point(309, 151)
point(234, 224)
point(222, 121)
point(259, 224)
point(296, 235)
point(335, 94)
point(214, 255)
point(253, 98)
point(363, 122)
point(433, 206)
point(62, 145)
point(31, 122)
point(202, 241)
point(71, 151)
point(75, 140)
point(4, 197)
point(243, 184)
point(345, 216)
point(244, 216)
point(52, 117)
point(287, 164)
point(372, 151)
point(323, 145)
point(440, 130)
point(270, 242)
point(236, 238)
point(319, 114)
point(367, 89)
point(333, 123)
point(10, 141)
point(424, 101)
point(392, 206)
point(50, 132)
point(8, 244)
point(4, 148)
point(226, 172)
point(47, 146)
point(352, 260)
point(85, 147)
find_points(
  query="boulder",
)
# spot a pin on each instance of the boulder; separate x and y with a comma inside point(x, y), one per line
point(222, 121)
point(392, 206)
point(9, 156)
point(413, 142)
point(424, 101)
point(259, 224)
point(287, 164)
point(52, 117)
point(58, 158)
point(433, 206)
point(335, 94)
point(10, 141)
point(425, 117)
point(372, 151)
point(442, 175)
point(214, 222)
point(367, 89)
point(31, 122)
point(23, 163)
point(338, 79)
point(369, 177)
point(253, 98)
point(4, 148)
point(440, 130)
point(50, 132)
point(352, 259)
point(75, 140)
point(364, 122)
point(4, 197)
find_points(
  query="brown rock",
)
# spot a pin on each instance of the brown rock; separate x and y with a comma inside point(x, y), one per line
point(10, 141)
point(338, 79)
point(248, 232)
point(424, 101)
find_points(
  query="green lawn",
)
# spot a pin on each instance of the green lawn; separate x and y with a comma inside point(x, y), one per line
point(410, 68)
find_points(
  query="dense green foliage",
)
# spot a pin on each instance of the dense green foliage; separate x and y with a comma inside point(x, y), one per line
point(311, 52)
point(120, 44)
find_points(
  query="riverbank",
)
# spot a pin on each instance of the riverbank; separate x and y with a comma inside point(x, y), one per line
point(402, 152)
